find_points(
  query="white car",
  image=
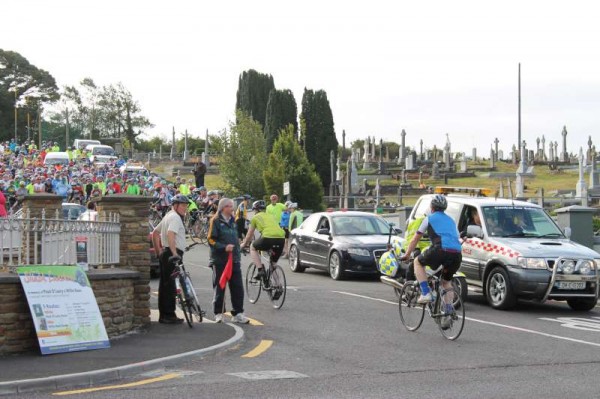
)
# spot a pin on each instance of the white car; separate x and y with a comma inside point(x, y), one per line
point(101, 154)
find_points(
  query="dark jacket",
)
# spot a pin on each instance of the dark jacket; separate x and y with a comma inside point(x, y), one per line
point(221, 233)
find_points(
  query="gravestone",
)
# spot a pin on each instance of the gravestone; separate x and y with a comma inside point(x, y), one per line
point(581, 191)
point(411, 161)
point(463, 165)
point(435, 171)
point(500, 155)
point(565, 154)
point(474, 154)
point(492, 158)
point(496, 141)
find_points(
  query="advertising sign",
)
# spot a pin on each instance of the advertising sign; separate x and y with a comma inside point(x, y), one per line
point(81, 246)
point(63, 308)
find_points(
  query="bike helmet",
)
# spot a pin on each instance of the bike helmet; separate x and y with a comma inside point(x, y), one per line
point(439, 203)
point(258, 205)
point(180, 199)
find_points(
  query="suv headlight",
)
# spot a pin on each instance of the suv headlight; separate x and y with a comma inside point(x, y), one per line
point(532, 263)
point(567, 266)
point(359, 252)
point(586, 267)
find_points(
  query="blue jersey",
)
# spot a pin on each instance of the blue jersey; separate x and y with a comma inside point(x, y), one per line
point(442, 231)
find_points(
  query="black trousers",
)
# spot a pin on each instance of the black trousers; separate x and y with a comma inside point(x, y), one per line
point(166, 286)
point(241, 228)
point(236, 289)
point(199, 181)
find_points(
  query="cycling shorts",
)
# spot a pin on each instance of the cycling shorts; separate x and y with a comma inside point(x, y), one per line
point(434, 257)
point(264, 244)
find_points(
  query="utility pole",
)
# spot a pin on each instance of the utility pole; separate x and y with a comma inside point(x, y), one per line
point(67, 130)
point(519, 137)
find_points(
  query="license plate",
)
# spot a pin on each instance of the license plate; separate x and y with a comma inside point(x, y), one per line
point(570, 285)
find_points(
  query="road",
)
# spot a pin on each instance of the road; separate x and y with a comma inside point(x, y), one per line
point(344, 339)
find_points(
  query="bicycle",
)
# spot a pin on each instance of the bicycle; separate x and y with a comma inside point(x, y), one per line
point(273, 284)
point(198, 228)
point(185, 292)
point(447, 309)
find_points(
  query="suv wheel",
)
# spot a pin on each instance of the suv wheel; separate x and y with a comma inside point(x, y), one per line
point(498, 290)
point(584, 304)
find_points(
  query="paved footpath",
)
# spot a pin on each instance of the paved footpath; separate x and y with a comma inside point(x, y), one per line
point(160, 345)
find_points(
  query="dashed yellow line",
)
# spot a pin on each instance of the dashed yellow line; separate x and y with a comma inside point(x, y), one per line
point(165, 377)
point(260, 348)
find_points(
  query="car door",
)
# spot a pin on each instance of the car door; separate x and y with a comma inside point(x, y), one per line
point(304, 238)
point(322, 242)
point(470, 246)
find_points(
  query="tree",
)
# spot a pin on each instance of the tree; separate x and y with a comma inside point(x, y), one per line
point(244, 156)
point(288, 162)
point(253, 94)
point(319, 135)
point(24, 86)
point(281, 111)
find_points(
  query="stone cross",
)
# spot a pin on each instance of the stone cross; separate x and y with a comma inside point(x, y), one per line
point(496, 141)
point(590, 155)
point(421, 150)
point(543, 148)
point(565, 154)
point(366, 147)
point(556, 150)
point(402, 154)
point(581, 189)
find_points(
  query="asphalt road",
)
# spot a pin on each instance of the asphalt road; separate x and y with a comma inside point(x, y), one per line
point(344, 339)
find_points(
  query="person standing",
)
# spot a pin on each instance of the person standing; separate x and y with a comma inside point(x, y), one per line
point(241, 217)
point(3, 212)
point(170, 232)
point(284, 223)
point(223, 241)
point(275, 208)
point(296, 217)
point(199, 172)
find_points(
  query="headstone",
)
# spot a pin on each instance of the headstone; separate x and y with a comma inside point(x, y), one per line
point(551, 153)
point(185, 146)
point(339, 169)
point(500, 155)
point(421, 150)
point(565, 154)
point(538, 155)
point(463, 165)
point(514, 155)
point(373, 152)
point(523, 164)
point(556, 150)
point(594, 176)
point(474, 155)
point(354, 176)
point(402, 151)
point(581, 189)
point(492, 158)
point(366, 156)
point(531, 156)
point(589, 154)
point(447, 152)
point(435, 171)
point(434, 154)
point(411, 161)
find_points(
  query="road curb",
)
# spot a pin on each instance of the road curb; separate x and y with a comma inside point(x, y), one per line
point(93, 377)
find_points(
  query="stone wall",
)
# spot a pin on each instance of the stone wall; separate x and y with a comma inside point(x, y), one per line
point(114, 290)
point(133, 212)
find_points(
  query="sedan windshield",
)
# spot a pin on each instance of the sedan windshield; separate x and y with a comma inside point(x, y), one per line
point(519, 221)
point(359, 225)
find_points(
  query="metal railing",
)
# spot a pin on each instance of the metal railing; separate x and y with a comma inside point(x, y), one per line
point(53, 241)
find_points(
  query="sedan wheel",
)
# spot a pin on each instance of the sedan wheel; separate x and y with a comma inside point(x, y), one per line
point(295, 264)
point(335, 267)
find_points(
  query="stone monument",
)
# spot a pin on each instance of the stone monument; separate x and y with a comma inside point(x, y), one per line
point(564, 157)
point(581, 191)
point(402, 150)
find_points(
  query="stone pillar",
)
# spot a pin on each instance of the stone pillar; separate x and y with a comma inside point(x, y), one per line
point(565, 154)
point(133, 212)
point(496, 141)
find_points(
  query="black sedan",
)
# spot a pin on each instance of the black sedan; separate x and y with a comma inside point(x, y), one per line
point(342, 243)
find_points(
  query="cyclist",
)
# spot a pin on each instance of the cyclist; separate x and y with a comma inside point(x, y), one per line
point(272, 237)
point(445, 248)
point(241, 217)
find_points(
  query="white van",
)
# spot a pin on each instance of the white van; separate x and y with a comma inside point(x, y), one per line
point(81, 144)
point(99, 153)
point(56, 158)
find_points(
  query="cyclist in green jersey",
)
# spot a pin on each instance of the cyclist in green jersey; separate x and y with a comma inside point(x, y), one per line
point(272, 237)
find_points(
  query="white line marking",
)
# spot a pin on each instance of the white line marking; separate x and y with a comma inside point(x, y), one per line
point(491, 323)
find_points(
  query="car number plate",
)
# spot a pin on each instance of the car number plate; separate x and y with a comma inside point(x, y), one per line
point(571, 285)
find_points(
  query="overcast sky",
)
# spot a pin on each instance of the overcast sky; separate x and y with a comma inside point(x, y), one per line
point(428, 67)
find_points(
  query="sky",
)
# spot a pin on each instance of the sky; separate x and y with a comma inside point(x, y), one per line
point(429, 67)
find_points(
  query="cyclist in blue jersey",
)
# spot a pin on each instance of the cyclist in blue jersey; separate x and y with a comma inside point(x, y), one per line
point(445, 247)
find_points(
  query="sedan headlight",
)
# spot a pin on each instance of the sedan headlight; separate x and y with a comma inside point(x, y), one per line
point(359, 252)
point(585, 267)
point(531, 263)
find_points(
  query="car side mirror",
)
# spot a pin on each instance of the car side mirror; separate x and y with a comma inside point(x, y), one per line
point(397, 231)
point(474, 231)
point(323, 231)
point(568, 232)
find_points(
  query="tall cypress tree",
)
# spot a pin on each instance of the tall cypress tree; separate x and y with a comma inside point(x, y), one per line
point(319, 137)
point(281, 112)
point(253, 94)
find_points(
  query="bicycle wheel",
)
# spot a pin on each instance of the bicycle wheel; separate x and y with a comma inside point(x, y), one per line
point(194, 231)
point(193, 303)
point(411, 313)
point(277, 287)
point(452, 324)
point(203, 233)
point(253, 286)
point(183, 302)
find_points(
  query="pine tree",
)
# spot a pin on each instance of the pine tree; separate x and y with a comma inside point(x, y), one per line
point(319, 137)
point(281, 112)
point(288, 162)
point(253, 94)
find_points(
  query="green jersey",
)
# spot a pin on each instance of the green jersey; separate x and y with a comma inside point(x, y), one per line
point(267, 225)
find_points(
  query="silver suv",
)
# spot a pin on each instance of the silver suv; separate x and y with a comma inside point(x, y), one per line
point(516, 251)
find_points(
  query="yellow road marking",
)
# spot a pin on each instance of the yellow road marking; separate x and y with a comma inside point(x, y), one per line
point(253, 322)
point(129, 385)
point(260, 348)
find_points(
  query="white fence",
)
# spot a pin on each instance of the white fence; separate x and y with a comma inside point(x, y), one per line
point(53, 241)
